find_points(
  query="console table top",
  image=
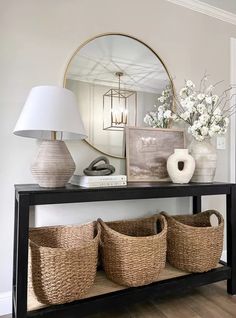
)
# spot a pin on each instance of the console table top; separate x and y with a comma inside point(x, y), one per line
point(35, 195)
point(35, 188)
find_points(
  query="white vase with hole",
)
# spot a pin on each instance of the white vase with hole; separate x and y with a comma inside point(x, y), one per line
point(205, 157)
point(180, 166)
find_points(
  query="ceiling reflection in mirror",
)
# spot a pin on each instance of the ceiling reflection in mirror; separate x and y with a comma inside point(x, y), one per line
point(117, 80)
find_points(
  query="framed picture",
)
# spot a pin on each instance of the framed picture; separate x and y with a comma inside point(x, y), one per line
point(147, 151)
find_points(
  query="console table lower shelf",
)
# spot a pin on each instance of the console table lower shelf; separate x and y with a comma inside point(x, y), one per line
point(105, 293)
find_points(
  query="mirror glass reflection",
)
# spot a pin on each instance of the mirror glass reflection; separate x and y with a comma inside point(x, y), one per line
point(117, 80)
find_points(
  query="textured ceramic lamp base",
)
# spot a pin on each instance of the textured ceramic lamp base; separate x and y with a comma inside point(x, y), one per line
point(53, 166)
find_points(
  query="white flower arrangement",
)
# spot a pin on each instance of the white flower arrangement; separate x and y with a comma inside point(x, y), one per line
point(206, 113)
point(161, 116)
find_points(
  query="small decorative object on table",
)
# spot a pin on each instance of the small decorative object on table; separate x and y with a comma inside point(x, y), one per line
point(207, 115)
point(183, 175)
point(102, 169)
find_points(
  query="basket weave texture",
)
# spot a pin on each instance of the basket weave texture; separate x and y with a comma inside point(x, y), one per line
point(63, 261)
point(134, 252)
point(194, 245)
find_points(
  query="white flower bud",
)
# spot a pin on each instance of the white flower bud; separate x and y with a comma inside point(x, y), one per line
point(208, 99)
point(167, 114)
point(201, 108)
point(204, 131)
point(190, 84)
point(201, 96)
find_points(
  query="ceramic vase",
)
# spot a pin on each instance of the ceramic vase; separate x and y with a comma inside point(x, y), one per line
point(53, 166)
point(182, 158)
point(205, 157)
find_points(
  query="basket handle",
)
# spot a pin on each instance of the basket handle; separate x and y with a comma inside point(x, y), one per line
point(101, 223)
point(99, 230)
point(104, 226)
point(165, 214)
point(207, 212)
point(217, 214)
point(163, 222)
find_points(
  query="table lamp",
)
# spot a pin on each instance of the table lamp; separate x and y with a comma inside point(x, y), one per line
point(51, 114)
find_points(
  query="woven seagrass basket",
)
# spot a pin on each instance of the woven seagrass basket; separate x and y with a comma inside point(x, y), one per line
point(134, 252)
point(63, 261)
point(193, 244)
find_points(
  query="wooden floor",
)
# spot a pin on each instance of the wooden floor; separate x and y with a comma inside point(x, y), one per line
point(209, 301)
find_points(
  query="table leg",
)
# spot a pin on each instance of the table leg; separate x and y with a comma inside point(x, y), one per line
point(14, 257)
point(197, 204)
point(231, 239)
point(20, 266)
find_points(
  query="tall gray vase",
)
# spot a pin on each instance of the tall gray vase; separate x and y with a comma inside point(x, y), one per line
point(205, 157)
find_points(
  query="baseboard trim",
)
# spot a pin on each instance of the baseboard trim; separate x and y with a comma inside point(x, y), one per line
point(5, 303)
point(207, 9)
point(224, 256)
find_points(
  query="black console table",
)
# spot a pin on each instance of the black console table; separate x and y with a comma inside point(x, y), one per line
point(30, 195)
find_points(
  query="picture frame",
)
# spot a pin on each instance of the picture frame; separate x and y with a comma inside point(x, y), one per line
point(147, 151)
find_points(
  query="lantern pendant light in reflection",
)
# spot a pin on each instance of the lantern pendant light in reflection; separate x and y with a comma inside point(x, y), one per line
point(119, 107)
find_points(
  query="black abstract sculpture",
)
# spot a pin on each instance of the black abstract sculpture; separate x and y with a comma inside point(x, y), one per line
point(102, 169)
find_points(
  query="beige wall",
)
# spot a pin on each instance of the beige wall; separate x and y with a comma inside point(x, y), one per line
point(38, 38)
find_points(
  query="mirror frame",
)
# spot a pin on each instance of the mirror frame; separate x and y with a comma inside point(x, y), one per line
point(128, 36)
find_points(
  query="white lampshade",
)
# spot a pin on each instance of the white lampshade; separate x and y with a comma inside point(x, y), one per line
point(47, 109)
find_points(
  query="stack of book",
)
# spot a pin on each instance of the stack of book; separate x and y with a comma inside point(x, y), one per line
point(99, 181)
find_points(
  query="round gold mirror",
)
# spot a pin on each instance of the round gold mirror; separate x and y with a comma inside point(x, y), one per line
point(117, 80)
